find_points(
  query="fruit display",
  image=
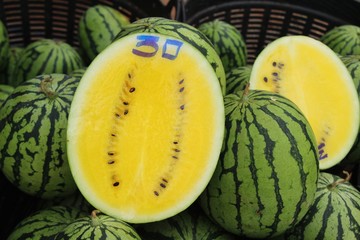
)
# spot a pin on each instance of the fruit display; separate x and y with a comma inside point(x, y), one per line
point(156, 127)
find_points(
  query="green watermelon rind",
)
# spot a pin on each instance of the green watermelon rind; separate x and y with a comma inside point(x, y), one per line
point(182, 31)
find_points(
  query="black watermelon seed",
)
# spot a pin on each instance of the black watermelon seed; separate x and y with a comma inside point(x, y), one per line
point(111, 162)
point(265, 79)
point(164, 180)
point(176, 150)
point(132, 89)
point(125, 103)
point(162, 185)
point(175, 142)
point(275, 74)
point(175, 157)
point(181, 89)
point(156, 193)
point(126, 112)
point(181, 81)
point(111, 153)
point(182, 107)
point(274, 64)
point(117, 115)
point(115, 184)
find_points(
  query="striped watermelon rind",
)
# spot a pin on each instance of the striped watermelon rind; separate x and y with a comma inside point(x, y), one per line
point(97, 226)
point(46, 56)
point(14, 56)
point(191, 223)
point(344, 39)
point(266, 177)
point(98, 26)
point(182, 31)
point(237, 79)
point(33, 123)
point(5, 91)
point(228, 43)
point(352, 63)
point(334, 214)
point(45, 223)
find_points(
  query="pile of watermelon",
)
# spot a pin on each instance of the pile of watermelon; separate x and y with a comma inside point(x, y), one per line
point(267, 184)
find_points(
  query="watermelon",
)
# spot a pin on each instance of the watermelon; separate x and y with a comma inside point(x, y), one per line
point(97, 226)
point(192, 223)
point(228, 43)
point(5, 91)
point(46, 56)
point(182, 31)
point(98, 26)
point(4, 47)
point(14, 56)
point(335, 213)
point(237, 79)
point(45, 223)
point(33, 123)
point(344, 39)
point(265, 180)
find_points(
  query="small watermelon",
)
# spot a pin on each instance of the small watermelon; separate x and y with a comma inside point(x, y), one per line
point(238, 78)
point(178, 30)
point(5, 91)
point(265, 180)
point(45, 223)
point(344, 39)
point(46, 56)
point(97, 226)
point(335, 213)
point(33, 124)
point(228, 43)
point(98, 26)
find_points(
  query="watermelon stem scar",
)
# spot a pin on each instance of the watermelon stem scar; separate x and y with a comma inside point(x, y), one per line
point(340, 181)
point(94, 218)
point(46, 87)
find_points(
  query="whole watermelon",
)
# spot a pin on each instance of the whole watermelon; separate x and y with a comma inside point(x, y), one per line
point(266, 177)
point(45, 223)
point(98, 26)
point(228, 43)
point(344, 39)
point(45, 56)
point(33, 123)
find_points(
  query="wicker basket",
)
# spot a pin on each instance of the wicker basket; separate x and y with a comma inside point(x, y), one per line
point(29, 20)
point(262, 21)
